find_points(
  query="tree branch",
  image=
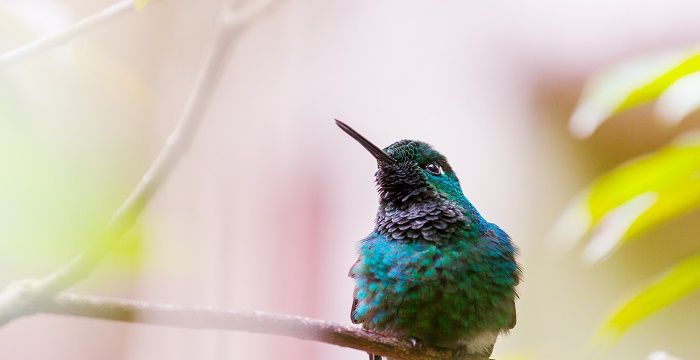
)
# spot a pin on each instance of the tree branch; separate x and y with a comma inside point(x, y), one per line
point(21, 297)
point(50, 41)
point(31, 296)
point(248, 321)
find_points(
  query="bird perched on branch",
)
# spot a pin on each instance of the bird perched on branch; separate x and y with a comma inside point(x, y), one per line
point(433, 270)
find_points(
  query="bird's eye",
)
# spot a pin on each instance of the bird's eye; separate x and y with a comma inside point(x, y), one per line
point(434, 168)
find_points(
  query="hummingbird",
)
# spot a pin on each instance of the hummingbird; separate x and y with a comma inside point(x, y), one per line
point(433, 270)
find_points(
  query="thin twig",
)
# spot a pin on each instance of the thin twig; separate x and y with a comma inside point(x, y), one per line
point(19, 298)
point(81, 27)
point(248, 321)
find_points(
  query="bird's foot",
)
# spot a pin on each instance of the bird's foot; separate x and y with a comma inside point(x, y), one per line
point(416, 344)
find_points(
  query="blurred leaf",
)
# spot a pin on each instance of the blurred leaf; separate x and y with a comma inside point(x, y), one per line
point(654, 87)
point(680, 281)
point(50, 206)
point(679, 100)
point(635, 197)
point(141, 4)
point(58, 181)
point(629, 85)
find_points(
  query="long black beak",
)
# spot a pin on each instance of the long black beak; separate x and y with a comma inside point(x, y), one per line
point(373, 149)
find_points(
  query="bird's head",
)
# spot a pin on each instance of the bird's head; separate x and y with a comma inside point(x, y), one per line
point(411, 171)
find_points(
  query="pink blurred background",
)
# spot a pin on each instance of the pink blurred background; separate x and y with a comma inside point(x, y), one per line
point(265, 211)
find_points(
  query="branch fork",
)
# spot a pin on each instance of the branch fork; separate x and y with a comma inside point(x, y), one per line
point(31, 296)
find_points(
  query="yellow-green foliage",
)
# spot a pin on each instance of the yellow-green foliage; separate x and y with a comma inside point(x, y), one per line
point(647, 191)
point(52, 207)
point(656, 85)
point(680, 281)
point(672, 174)
point(631, 84)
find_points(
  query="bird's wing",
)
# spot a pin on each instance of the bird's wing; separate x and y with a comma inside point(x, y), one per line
point(508, 252)
point(355, 273)
point(351, 274)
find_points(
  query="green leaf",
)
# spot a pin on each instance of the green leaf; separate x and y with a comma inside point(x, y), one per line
point(628, 85)
point(679, 282)
point(141, 4)
point(635, 197)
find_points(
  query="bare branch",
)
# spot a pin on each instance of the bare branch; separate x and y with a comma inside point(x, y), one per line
point(81, 27)
point(20, 298)
point(249, 321)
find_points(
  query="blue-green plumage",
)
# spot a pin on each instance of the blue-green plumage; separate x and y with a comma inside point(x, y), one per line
point(437, 293)
point(433, 269)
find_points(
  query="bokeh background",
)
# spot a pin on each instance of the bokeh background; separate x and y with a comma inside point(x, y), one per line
point(266, 209)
